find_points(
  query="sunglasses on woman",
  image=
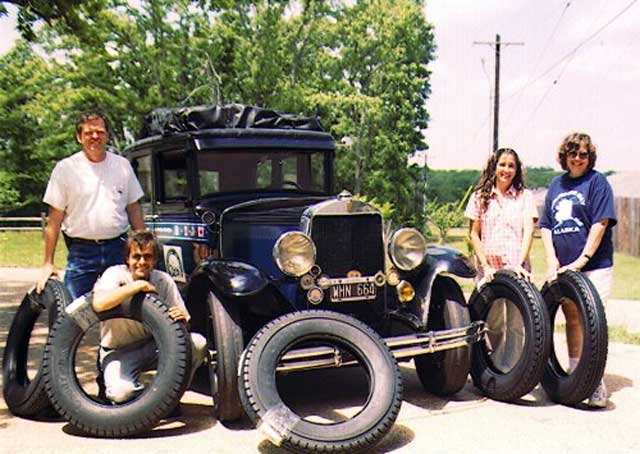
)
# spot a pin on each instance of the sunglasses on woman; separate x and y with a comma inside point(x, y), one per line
point(574, 152)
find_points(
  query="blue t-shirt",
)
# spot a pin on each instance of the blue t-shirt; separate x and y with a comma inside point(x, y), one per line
point(571, 207)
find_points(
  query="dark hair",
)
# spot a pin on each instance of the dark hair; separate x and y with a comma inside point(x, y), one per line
point(91, 115)
point(573, 142)
point(143, 239)
point(488, 177)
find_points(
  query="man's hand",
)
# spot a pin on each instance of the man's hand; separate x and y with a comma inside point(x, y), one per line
point(177, 313)
point(144, 286)
point(46, 272)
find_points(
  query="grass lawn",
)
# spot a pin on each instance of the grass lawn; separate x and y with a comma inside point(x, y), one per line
point(25, 249)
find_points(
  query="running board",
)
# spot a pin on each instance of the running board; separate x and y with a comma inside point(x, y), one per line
point(406, 346)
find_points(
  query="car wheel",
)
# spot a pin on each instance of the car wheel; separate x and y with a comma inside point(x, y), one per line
point(575, 289)
point(228, 345)
point(104, 419)
point(266, 408)
point(444, 373)
point(510, 362)
point(27, 397)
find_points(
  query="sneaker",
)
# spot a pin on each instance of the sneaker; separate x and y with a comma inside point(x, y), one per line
point(599, 397)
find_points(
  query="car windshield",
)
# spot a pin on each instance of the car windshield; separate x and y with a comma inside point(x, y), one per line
point(234, 170)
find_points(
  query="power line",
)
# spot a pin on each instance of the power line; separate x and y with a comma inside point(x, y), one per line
point(575, 49)
point(543, 98)
point(546, 46)
point(569, 57)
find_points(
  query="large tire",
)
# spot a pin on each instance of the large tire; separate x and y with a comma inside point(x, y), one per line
point(510, 362)
point(24, 397)
point(266, 408)
point(139, 415)
point(445, 373)
point(573, 388)
point(228, 343)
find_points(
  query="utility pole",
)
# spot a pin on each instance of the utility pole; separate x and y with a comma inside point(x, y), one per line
point(496, 96)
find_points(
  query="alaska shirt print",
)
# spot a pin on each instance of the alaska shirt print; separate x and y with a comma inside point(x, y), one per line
point(571, 207)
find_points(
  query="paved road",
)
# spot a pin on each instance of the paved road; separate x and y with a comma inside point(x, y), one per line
point(426, 424)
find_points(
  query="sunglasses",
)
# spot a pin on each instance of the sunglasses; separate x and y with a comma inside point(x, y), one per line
point(575, 154)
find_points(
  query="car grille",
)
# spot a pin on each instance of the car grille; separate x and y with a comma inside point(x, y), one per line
point(347, 243)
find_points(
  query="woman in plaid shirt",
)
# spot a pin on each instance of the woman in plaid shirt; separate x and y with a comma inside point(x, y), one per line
point(502, 214)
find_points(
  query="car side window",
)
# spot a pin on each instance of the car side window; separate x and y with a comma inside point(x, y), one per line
point(209, 181)
point(142, 168)
point(174, 176)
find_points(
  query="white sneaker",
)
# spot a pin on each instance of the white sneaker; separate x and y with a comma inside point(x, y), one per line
point(599, 398)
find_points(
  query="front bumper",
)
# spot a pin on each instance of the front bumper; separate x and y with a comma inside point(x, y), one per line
point(402, 347)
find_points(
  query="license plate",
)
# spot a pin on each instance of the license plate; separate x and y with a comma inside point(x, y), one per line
point(353, 292)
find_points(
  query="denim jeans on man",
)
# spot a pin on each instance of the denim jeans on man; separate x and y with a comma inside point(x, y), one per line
point(86, 262)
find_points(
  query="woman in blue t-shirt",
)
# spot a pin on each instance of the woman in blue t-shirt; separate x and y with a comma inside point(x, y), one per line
point(576, 223)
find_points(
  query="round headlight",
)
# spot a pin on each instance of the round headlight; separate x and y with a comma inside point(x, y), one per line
point(407, 248)
point(295, 253)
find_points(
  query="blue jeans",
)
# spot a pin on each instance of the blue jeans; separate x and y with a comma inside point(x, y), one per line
point(86, 262)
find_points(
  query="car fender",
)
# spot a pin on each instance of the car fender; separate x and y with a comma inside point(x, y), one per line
point(438, 260)
point(232, 278)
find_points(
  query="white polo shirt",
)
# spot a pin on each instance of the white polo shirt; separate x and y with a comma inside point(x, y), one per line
point(93, 195)
point(119, 332)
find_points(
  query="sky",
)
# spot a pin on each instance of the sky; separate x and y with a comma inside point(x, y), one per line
point(578, 70)
point(596, 89)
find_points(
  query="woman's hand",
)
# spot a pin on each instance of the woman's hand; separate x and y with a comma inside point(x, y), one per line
point(576, 265)
point(552, 267)
point(522, 272)
point(489, 272)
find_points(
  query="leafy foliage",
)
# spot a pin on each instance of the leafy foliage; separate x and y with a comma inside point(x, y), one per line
point(360, 65)
point(446, 216)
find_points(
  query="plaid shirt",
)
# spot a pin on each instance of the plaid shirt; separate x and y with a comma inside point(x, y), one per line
point(502, 224)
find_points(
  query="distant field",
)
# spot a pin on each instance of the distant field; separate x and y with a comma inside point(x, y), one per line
point(25, 249)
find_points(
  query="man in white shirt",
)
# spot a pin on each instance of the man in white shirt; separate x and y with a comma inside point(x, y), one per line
point(126, 347)
point(93, 197)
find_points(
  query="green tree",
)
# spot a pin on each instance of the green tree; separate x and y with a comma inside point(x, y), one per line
point(24, 77)
point(361, 66)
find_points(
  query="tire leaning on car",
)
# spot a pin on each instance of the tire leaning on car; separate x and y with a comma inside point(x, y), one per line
point(572, 388)
point(228, 342)
point(445, 373)
point(265, 407)
point(25, 397)
point(510, 362)
point(100, 419)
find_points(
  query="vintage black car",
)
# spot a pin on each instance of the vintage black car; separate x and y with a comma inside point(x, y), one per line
point(241, 199)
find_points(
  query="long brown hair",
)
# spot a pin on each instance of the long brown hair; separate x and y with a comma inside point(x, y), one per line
point(488, 178)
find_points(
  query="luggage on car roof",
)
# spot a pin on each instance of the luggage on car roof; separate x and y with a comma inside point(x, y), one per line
point(166, 120)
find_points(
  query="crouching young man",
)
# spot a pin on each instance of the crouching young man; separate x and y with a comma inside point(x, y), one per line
point(126, 347)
